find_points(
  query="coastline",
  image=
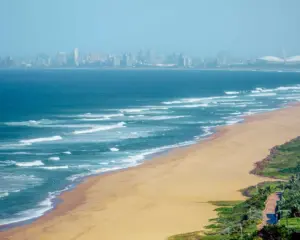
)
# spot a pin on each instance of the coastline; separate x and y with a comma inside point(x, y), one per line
point(172, 185)
point(235, 69)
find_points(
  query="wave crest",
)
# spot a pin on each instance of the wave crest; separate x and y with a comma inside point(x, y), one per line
point(40, 140)
point(100, 128)
point(29, 164)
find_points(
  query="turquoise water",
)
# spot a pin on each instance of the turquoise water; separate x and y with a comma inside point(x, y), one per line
point(57, 126)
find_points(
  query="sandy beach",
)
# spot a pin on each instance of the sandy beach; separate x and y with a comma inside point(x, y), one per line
point(169, 194)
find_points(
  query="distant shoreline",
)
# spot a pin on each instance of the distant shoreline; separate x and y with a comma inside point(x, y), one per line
point(296, 70)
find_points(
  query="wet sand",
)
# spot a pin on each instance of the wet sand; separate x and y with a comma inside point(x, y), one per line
point(169, 194)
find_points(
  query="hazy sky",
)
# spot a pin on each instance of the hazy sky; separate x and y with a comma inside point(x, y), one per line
point(195, 27)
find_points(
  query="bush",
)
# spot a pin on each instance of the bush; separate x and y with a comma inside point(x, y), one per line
point(275, 232)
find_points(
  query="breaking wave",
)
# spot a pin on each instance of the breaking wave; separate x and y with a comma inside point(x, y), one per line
point(54, 158)
point(114, 149)
point(29, 164)
point(30, 123)
point(40, 140)
point(232, 92)
point(55, 167)
point(100, 128)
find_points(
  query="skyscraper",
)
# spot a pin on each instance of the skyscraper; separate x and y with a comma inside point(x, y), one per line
point(127, 60)
point(61, 58)
point(76, 56)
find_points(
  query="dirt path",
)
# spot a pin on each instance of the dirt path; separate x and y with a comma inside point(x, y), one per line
point(269, 213)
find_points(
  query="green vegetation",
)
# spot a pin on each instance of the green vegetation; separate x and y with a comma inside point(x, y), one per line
point(187, 236)
point(240, 219)
point(271, 186)
point(282, 163)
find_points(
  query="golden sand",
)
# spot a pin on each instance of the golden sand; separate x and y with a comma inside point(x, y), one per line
point(169, 194)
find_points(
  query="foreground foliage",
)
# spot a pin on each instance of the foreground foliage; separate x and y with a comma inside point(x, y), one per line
point(239, 220)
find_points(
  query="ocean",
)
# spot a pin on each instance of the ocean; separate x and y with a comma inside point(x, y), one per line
point(59, 126)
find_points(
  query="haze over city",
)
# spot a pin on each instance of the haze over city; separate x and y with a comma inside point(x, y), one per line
point(196, 28)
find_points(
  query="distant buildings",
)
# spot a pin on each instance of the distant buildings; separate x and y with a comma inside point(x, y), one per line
point(146, 59)
point(7, 62)
point(127, 60)
point(61, 59)
point(116, 61)
point(76, 57)
point(184, 61)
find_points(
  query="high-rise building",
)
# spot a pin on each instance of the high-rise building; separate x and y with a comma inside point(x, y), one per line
point(127, 60)
point(150, 56)
point(181, 60)
point(140, 57)
point(76, 56)
point(116, 61)
point(61, 58)
point(184, 61)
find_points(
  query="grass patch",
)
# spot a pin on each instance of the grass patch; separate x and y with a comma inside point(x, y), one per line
point(291, 223)
point(225, 203)
point(283, 161)
point(253, 190)
point(186, 236)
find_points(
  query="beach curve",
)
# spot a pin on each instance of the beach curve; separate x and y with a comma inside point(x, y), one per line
point(167, 195)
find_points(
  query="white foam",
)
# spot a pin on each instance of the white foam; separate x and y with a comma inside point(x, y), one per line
point(263, 94)
point(93, 119)
point(104, 163)
point(234, 121)
point(236, 113)
point(172, 102)
point(55, 167)
point(92, 172)
point(294, 88)
point(100, 128)
point(84, 166)
point(262, 90)
point(132, 160)
point(40, 140)
point(54, 158)
point(192, 105)
point(134, 110)
point(297, 98)
point(30, 123)
point(114, 149)
point(4, 194)
point(30, 164)
point(199, 100)
point(259, 110)
point(207, 131)
point(20, 153)
point(232, 92)
point(157, 118)
point(141, 156)
point(297, 87)
point(90, 115)
point(98, 117)
point(67, 152)
point(36, 212)
point(13, 183)
point(157, 107)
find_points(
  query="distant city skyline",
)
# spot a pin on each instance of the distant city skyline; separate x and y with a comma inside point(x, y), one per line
point(247, 28)
point(146, 59)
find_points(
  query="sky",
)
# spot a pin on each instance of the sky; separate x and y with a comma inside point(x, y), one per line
point(245, 28)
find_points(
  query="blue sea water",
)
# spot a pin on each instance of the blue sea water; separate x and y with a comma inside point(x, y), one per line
point(57, 126)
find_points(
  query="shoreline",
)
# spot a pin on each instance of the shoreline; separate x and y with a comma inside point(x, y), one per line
point(250, 69)
point(74, 199)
